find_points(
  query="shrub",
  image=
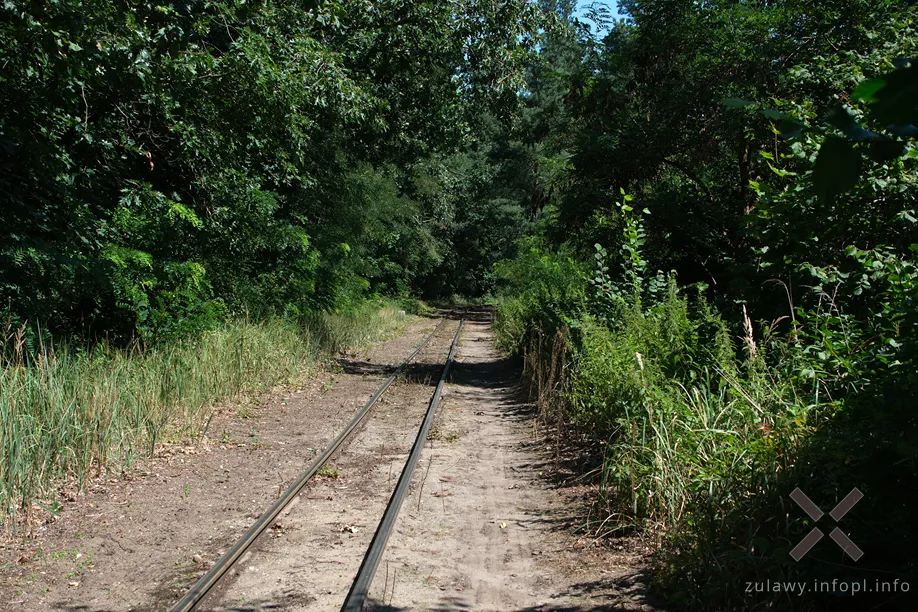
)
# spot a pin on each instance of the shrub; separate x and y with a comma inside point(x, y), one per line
point(542, 292)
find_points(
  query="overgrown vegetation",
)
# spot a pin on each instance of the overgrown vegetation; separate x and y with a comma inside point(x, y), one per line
point(166, 167)
point(168, 170)
point(70, 414)
point(704, 218)
point(719, 303)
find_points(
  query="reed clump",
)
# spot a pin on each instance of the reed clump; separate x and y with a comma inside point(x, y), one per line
point(69, 413)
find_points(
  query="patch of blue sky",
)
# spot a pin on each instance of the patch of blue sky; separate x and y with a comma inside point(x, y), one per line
point(583, 9)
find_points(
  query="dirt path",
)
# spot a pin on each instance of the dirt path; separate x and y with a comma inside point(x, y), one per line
point(484, 528)
point(138, 541)
point(316, 552)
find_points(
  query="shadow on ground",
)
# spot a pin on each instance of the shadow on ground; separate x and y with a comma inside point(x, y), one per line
point(614, 594)
point(630, 586)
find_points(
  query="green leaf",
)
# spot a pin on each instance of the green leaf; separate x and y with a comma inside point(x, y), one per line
point(866, 90)
point(896, 103)
point(837, 167)
point(843, 121)
point(791, 128)
point(773, 114)
point(736, 103)
point(781, 172)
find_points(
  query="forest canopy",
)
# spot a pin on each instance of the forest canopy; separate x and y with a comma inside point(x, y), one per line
point(165, 166)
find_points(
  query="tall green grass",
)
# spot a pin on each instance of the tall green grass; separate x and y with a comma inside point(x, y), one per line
point(693, 430)
point(685, 427)
point(698, 430)
point(71, 414)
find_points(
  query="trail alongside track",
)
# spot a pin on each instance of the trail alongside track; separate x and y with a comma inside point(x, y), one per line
point(138, 541)
point(483, 526)
point(486, 528)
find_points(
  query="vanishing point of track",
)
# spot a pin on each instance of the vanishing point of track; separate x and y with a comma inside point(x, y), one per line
point(357, 595)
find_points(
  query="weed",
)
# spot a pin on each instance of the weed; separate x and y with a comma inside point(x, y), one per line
point(688, 435)
point(328, 471)
point(437, 433)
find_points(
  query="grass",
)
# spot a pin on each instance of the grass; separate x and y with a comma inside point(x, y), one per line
point(437, 433)
point(690, 438)
point(69, 415)
point(696, 440)
point(328, 471)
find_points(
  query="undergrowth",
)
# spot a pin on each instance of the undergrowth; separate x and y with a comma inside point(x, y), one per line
point(67, 413)
point(702, 426)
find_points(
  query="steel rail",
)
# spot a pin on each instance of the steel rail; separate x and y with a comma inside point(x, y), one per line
point(356, 597)
point(200, 590)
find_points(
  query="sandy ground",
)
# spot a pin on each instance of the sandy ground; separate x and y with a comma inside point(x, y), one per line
point(486, 526)
point(310, 564)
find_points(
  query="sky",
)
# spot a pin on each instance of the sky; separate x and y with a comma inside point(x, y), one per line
point(583, 4)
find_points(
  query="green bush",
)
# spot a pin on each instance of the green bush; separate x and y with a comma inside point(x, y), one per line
point(698, 438)
point(167, 166)
point(542, 290)
point(668, 344)
point(701, 439)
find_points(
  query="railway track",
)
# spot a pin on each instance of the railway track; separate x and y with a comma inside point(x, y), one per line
point(357, 595)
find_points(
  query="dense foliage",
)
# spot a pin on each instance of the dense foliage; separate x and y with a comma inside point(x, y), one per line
point(703, 223)
point(720, 299)
point(197, 197)
point(165, 166)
